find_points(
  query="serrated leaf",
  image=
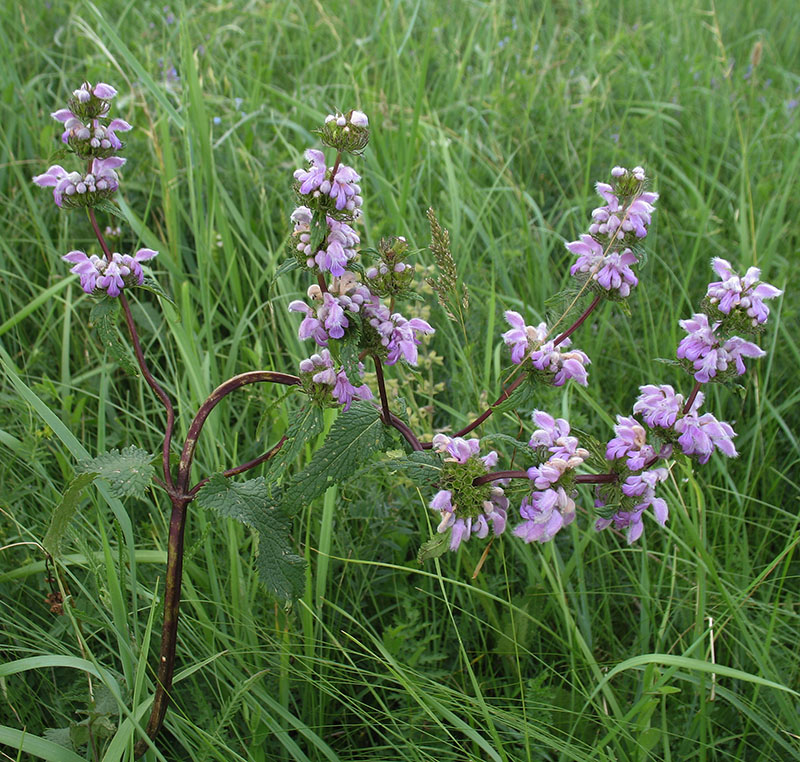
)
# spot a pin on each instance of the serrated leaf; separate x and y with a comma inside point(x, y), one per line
point(319, 230)
point(437, 546)
point(420, 467)
point(509, 440)
point(60, 736)
point(252, 504)
point(154, 287)
point(308, 423)
point(348, 353)
point(353, 438)
point(106, 206)
point(104, 317)
point(64, 512)
point(128, 473)
point(522, 397)
point(286, 267)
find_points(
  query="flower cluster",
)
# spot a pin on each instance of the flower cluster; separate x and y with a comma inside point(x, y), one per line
point(112, 275)
point(319, 371)
point(325, 241)
point(711, 350)
point(631, 457)
point(467, 509)
point(550, 506)
point(92, 137)
point(73, 189)
point(697, 435)
point(604, 256)
point(555, 365)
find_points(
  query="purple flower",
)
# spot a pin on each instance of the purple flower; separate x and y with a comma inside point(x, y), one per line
point(544, 355)
point(612, 271)
point(640, 488)
point(700, 435)
point(707, 355)
point(545, 513)
point(323, 372)
point(743, 292)
point(460, 450)
point(100, 274)
point(312, 178)
point(345, 189)
point(659, 405)
point(554, 435)
point(629, 443)
point(519, 337)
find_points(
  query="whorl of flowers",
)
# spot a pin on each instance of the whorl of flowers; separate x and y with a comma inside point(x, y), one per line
point(736, 292)
point(467, 509)
point(550, 507)
point(112, 275)
point(711, 350)
point(632, 457)
point(73, 189)
point(323, 239)
point(557, 363)
point(319, 370)
point(604, 255)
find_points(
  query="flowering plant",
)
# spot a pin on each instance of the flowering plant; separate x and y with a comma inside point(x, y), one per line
point(351, 315)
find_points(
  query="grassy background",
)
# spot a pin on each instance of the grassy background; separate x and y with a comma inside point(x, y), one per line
point(501, 115)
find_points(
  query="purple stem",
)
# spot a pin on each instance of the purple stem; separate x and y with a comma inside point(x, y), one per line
point(579, 479)
point(386, 414)
point(692, 398)
point(579, 322)
point(225, 388)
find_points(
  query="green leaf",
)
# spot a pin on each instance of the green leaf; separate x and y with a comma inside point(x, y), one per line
point(64, 512)
point(128, 473)
point(348, 351)
point(286, 267)
point(435, 547)
point(319, 230)
point(252, 504)
point(521, 398)
point(420, 467)
point(304, 426)
point(106, 206)
point(154, 287)
point(353, 438)
point(104, 317)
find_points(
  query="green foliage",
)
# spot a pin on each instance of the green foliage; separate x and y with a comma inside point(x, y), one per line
point(154, 287)
point(421, 467)
point(434, 546)
point(128, 472)
point(453, 300)
point(253, 504)
point(105, 317)
point(64, 511)
point(355, 436)
point(306, 424)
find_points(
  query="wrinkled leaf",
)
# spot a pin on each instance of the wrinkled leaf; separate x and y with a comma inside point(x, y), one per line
point(104, 317)
point(437, 545)
point(252, 504)
point(64, 512)
point(128, 473)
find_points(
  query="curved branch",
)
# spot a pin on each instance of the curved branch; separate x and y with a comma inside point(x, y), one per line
point(213, 399)
point(495, 476)
point(244, 466)
point(406, 431)
point(154, 385)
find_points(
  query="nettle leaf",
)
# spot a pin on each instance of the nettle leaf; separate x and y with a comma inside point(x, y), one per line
point(154, 287)
point(420, 467)
point(104, 317)
point(319, 230)
point(307, 424)
point(437, 546)
point(511, 441)
point(286, 267)
point(522, 398)
point(353, 438)
point(128, 473)
point(106, 206)
point(64, 512)
point(252, 504)
point(348, 351)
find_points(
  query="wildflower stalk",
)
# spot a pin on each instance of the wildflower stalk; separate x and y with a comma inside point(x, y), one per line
point(387, 413)
point(495, 476)
point(690, 401)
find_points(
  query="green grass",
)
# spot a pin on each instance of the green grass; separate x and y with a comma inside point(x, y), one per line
point(501, 115)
